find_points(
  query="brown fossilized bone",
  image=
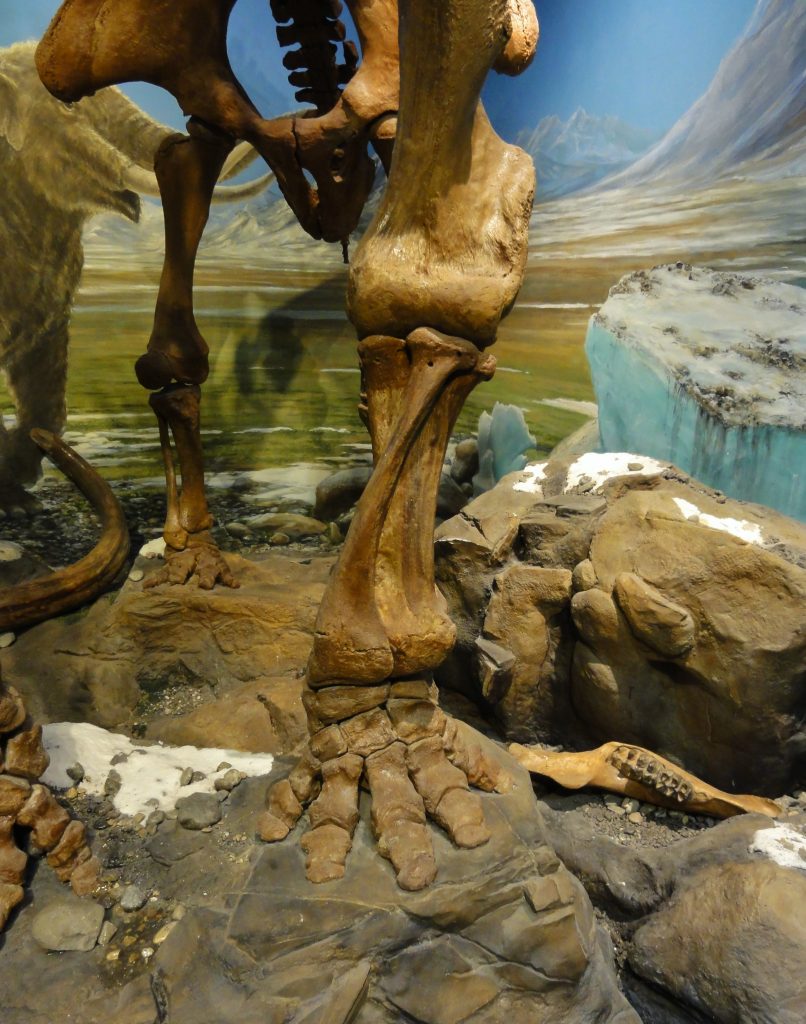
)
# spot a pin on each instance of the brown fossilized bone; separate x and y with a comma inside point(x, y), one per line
point(25, 803)
point(438, 267)
point(27, 603)
point(633, 771)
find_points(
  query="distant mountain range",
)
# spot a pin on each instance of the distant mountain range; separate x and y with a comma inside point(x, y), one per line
point(577, 153)
point(752, 118)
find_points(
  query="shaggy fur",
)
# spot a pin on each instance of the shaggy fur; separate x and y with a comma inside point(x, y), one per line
point(59, 166)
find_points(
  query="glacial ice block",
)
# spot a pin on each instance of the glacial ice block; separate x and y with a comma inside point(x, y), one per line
point(707, 370)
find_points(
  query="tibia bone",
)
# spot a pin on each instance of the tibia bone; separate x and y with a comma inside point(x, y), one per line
point(448, 244)
point(636, 772)
point(177, 408)
point(365, 631)
point(187, 169)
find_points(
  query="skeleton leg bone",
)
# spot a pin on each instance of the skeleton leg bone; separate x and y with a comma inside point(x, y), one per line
point(443, 222)
point(190, 550)
point(631, 770)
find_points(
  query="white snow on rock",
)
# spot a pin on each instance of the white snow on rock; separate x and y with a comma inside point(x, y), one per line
point(154, 548)
point(531, 477)
point(148, 773)
point(782, 844)
point(741, 528)
point(600, 467)
point(708, 371)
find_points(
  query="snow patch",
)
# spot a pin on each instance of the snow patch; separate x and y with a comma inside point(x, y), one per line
point(741, 528)
point(531, 478)
point(154, 548)
point(147, 773)
point(782, 844)
point(603, 466)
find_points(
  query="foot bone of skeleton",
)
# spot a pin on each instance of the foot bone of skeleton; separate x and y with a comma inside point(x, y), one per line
point(417, 763)
point(25, 803)
point(636, 772)
point(190, 552)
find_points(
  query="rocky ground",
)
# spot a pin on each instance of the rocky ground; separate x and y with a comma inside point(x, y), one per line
point(692, 918)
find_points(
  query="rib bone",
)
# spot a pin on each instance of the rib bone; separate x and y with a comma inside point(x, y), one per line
point(633, 771)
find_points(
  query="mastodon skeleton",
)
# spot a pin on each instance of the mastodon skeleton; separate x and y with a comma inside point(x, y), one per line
point(429, 282)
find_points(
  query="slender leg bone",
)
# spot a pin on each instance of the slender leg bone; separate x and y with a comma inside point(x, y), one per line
point(187, 526)
point(187, 168)
point(633, 771)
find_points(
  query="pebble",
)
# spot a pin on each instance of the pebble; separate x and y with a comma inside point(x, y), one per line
point(132, 898)
point(223, 766)
point(147, 953)
point(635, 467)
point(635, 818)
point(136, 575)
point(240, 530)
point(279, 540)
point(68, 924)
point(164, 932)
point(198, 777)
point(630, 806)
point(179, 912)
point(107, 933)
point(112, 784)
point(334, 533)
point(76, 772)
point(112, 955)
point(155, 818)
point(199, 810)
point(186, 777)
point(616, 809)
point(231, 778)
point(7, 639)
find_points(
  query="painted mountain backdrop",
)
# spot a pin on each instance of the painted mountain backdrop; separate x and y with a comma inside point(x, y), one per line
point(579, 152)
point(752, 118)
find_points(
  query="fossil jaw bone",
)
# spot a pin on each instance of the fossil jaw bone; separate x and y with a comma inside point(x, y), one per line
point(636, 772)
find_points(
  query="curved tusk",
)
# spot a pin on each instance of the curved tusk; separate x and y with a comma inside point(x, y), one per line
point(141, 181)
point(239, 159)
point(68, 588)
point(249, 189)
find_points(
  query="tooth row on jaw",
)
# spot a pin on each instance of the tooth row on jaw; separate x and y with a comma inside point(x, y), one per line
point(314, 26)
point(25, 803)
point(635, 764)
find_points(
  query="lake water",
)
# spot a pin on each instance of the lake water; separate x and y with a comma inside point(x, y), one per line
point(284, 381)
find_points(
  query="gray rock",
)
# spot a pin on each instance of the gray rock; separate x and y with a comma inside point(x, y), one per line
point(198, 810)
point(450, 497)
point(340, 491)
point(132, 898)
point(465, 462)
point(76, 772)
point(186, 776)
point(231, 778)
point(68, 924)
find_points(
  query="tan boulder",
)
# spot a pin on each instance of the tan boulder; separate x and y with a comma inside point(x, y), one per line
point(687, 629)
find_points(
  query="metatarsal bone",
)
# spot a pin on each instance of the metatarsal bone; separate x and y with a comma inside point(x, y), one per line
point(351, 640)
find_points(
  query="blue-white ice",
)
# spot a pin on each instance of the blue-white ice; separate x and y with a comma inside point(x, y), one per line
point(708, 371)
point(503, 440)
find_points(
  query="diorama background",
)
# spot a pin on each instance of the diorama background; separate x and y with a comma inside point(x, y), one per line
point(661, 132)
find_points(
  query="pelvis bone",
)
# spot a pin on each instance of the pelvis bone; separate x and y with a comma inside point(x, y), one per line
point(633, 771)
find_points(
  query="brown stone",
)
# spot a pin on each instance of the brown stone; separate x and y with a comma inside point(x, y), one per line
point(46, 819)
point(283, 804)
point(64, 857)
point(10, 896)
point(26, 756)
point(12, 709)
point(14, 792)
point(85, 876)
point(12, 859)
point(328, 743)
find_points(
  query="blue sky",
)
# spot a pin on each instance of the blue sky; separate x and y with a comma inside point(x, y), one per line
point(645, 61)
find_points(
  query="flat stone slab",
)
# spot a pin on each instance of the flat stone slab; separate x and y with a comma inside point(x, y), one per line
point(505, 933)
